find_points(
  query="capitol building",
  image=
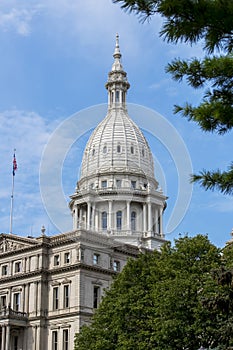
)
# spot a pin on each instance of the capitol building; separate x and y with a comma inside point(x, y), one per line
point(51, 285)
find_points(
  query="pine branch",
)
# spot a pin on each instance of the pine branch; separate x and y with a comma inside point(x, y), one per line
point(222, 181)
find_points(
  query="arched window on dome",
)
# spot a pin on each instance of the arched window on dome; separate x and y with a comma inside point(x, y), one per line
point(117, 96)
point(132, 150)
point(123, 96)
point(105, 149)
point(143, 152)
point(119, 220)
point(104, 220)
point(93, 151)
point(118, 148)
point(133, 220)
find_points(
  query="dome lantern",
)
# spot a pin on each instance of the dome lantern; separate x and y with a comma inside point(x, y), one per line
point(117, 84)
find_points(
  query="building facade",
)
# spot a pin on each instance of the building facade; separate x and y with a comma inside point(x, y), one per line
point(51, 285)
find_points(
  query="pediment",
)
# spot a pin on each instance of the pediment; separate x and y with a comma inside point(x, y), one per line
point(8, 244)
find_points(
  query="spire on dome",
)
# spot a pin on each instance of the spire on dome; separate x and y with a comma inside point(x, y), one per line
point(117, 84)
point(117, 56)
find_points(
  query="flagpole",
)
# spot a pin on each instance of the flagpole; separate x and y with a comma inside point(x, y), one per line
point(14, 168)
point(12, 202)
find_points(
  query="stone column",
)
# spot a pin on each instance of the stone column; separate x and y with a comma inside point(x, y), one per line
point(96, 220)
point(88, 215)
point(25, 338)
point(39, 297)
point(110, 215)
point(144, 218)
point(156, 221)
point(161, 221)
point(128, 215)
point(7, 337)
point(3, 337)
point(81, 217)
point(149, 217)
point(93, 217)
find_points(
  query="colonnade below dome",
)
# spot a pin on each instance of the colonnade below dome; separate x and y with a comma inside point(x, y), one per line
point(129, 220)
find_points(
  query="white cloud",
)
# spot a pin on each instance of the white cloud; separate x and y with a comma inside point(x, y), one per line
point(17, 19)
point(28, 132)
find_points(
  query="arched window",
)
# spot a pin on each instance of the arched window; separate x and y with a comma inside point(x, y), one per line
point(93, 151)
point(119, 220)
point(118, 148)
point(133, 221)
point(117, 96)
point(143, 152)
point(104, 220)
point(105, 149)
point(132, 150)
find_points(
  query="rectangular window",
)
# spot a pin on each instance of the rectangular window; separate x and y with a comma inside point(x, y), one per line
point(65, 339)
point(96, 259)
point(67, 258)
point(55, 298)
point(66, 296)
point(56, 261)
point(119, 220)
point(3, 301)
point(54, 340)
point(16, 301)
point(116, 265)
point(4, 270)
point(96, 296)
point(18, 266)
point(104, 183)
point(118, 183)
point(133, 184)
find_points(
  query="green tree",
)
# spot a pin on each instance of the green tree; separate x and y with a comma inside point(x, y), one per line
point(169, 300)
point(208, 21)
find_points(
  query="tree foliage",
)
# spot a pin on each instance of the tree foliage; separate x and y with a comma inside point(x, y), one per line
point(211, 23)
point(180, 298)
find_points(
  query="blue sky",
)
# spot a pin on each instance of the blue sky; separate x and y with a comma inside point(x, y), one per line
point(55, 57)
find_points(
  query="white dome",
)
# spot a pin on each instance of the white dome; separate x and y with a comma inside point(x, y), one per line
point(117, 145)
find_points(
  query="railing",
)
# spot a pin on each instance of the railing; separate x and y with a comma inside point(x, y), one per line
point(8, 312)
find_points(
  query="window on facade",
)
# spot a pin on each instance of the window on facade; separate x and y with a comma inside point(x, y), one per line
point(133, 221)
point(96, 296)
point(118, 148)
point(3, 301)
point(117, 96)
point(66, 296)
point(18, 266)
point(54, 340)
point(4, 270)
point(16, 301)
point(132, 150)
point(96, 259)
point(119, 220)
point(65, 339)
point(133, 184)
point(118, 183)
point(104, 183)
point(104, 220)
point(55, 298)
point(56, 261)
point(105, 149)
point(116, 265)
point(67, 258)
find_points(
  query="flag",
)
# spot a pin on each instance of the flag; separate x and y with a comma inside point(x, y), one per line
point(14, 165)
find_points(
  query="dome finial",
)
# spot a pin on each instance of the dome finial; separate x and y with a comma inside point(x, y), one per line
point(117, 53)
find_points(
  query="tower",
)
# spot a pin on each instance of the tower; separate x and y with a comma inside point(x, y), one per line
point(117, 194)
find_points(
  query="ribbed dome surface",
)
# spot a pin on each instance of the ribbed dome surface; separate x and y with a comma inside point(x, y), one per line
point(117, 145)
